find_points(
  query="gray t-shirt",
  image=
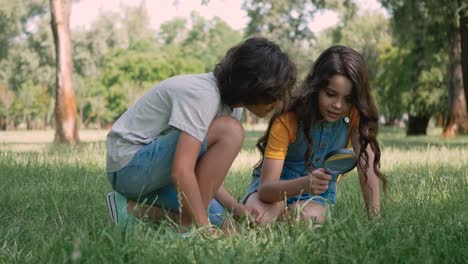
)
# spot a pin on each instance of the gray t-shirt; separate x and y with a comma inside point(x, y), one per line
point(186, 102)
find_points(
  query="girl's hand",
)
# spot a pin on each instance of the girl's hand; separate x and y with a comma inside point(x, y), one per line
point(241, 210)
point(318, 181)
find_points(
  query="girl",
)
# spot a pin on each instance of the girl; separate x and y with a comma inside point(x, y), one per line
point(335, 108)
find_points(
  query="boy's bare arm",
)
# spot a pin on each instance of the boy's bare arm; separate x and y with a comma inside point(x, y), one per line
point(229, 202)
point(225, 198)
point(183, 175)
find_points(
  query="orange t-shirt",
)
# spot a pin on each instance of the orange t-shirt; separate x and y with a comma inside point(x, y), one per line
point(283, 132)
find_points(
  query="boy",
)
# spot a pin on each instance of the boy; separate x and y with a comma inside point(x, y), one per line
point(174, 147)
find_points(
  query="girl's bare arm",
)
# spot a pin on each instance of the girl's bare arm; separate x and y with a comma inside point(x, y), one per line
point(369, 181)
point(272, 190)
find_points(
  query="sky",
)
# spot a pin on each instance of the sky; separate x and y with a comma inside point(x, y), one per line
point(84, 12)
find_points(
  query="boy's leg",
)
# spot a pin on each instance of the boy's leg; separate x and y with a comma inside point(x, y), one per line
point(147, 179)
point(224, 141)
point(216, 212)
point(154, 213)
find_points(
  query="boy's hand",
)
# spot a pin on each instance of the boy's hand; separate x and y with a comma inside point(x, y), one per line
point(318, 181)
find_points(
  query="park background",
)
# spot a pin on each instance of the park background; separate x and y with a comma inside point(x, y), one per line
point(53, 194)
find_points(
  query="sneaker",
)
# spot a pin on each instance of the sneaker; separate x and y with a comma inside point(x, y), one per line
point(117, 209)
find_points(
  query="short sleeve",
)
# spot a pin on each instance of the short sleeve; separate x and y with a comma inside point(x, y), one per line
point(193, 111)
point(282, 133)
point(237, 113)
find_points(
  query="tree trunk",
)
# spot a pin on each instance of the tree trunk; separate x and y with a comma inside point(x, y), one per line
point(2, 123)
point(439, 120)
point(417, 122)
point(15, 122)
point(464, 51)
point(81, 114)
point(7, 119)
point(457, 117)
point(65, 103)
point(417, 125)
point(28, 122)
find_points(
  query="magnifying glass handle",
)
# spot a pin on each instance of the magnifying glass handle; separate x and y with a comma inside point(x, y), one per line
point(332, 173)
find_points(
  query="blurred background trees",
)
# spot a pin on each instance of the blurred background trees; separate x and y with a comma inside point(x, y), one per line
point(414, 57)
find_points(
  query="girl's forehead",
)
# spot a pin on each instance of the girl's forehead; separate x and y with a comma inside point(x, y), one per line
point(340, 84)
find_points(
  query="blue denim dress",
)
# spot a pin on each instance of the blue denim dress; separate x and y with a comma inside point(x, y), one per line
point(326, 137)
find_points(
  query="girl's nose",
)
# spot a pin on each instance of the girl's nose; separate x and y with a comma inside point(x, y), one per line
point(338, 103)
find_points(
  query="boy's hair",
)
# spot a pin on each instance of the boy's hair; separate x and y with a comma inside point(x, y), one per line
point(255, 71)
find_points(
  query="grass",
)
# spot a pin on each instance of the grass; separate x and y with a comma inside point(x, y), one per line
point(53, 211)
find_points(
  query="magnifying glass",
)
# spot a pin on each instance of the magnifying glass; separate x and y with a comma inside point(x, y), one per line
point(340, 161)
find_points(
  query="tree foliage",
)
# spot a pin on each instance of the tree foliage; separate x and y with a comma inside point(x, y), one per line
point(424, 31)
point(119, 56)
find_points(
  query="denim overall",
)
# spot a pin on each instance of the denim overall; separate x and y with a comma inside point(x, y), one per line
point(326, 137)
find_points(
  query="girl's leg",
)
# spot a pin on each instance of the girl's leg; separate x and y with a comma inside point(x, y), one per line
point(267, 212)
point(306, 210)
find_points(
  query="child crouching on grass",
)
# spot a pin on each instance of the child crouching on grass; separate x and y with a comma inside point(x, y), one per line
point(335, 109)
point(174, 147)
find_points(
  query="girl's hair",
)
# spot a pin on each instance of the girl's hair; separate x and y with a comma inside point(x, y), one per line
point(255, 71)
point(336, 60)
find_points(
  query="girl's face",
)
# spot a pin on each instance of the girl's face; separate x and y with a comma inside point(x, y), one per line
point(335, 100)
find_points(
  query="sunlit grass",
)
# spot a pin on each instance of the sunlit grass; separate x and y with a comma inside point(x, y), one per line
point(53, 211)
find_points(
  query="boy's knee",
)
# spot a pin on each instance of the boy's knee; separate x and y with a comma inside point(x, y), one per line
point(226, 127)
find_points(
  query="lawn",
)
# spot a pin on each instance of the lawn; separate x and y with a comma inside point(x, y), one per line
point(53, 211)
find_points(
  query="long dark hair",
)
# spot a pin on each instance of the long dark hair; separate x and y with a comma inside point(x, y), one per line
point(336, 60)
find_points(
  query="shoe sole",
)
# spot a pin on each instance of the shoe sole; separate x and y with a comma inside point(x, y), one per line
point(111, 208)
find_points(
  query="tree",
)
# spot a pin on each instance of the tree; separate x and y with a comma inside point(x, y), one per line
point(208, 40)
point(26, 59)
point(423, 27)
point(287, 22)
point(6, 99)
point(136, 24)
point(457, 114)
point(370, 35)
point(65, 104)
point(90, 48)
point(172, 31)
point(464, 42)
